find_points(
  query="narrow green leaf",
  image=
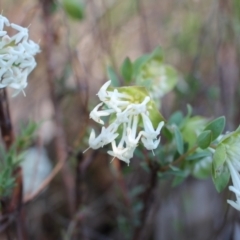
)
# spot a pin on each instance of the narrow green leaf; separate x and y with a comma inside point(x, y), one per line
point(74, 9)
point(216, 126)
point(179, 140)
point(204, 139)
point(113, 76)
point(189, 111)
point(199, 155)
point(176, 169)
point(127, 70)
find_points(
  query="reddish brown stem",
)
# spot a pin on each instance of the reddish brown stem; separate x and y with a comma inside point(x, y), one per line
point(60, 140)
point(14, 202)
point(147, 197)
point(5, 119)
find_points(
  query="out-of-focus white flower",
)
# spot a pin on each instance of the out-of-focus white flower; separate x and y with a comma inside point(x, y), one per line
point(227, 154)
point(36, 167)
point(232, 148)
point(16, 56)
point(129, 108)
point(234, 168)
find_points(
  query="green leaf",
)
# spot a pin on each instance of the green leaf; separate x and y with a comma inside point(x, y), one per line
point(202, 168)
point(178, 173)
point(190, 129)
point(166, 133)
point(113, 76)
point(216, 127)
point(179, 140)
point(199, 155)
point(221, 181)
point(138, 63)
point(157, 54)
point(189, 111)
point(204, 139)
point(219, 159)
point(74, 9)
point(176, 118)
point(127, 70)
point(177, 180)
point(26, 136)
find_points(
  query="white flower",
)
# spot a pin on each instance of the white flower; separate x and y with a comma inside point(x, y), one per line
point(148, 127)
point(126, 111)
point(131, 139)
point(150, 144)
point(121, 153)
point(227, 154)
point(95, 114)
point(107, 136)
point(16, 56)
point(234, 171)
point(103, 94)
point(149, 138)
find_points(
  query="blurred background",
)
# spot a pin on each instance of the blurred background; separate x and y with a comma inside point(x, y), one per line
point(82, 49)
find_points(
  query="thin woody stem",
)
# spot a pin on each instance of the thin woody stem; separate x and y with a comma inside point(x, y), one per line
point(5, 119)
point(147, 198)
point(15, 202)
point(178, 160)
point(60, 139)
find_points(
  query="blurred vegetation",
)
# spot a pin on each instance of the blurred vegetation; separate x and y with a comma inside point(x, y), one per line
point(84, 43)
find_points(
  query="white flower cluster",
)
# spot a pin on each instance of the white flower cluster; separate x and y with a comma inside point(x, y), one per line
point(127, 112)
point(234, 168)
point(233, 163)
point(16, 56)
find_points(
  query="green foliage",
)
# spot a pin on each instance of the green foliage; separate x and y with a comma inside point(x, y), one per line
point(6, 181)
point(113, 76)
point(11, 159)
point(236, 8)
point(219, 159)
point(204, 139)
point(216, 127)
point(151, 72)
point(179, 140)
point(199, 155)
point(191, 127)
point(177, 180)
point(26, 136)
point(220, 173)
point(227, 151)
point(176, 118)
point(74, 9)
point(202, 167)
point(167, 133)
point(127, 70)
point(179, 175)
point(221, 181)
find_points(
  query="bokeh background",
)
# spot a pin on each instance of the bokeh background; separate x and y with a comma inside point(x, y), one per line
point(88, 199)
